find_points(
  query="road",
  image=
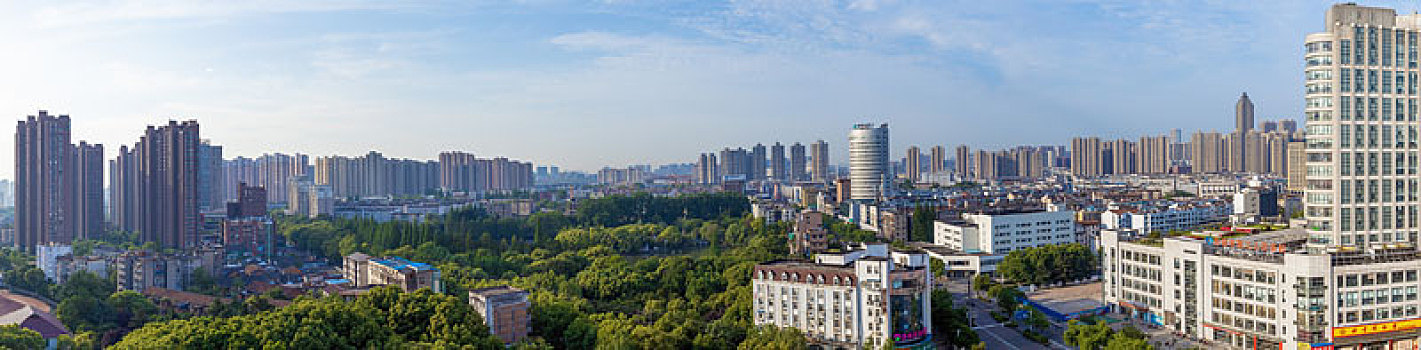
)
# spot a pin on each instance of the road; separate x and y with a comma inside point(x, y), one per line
point(995, 334)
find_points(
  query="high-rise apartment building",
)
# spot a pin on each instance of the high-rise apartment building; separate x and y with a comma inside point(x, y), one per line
point(374, 175)
point(55, 183)
point(1288, 126)
point(1361, 97)
point(868, 161)
point(155, 183)
point(819, 161)
point(89, 186)
point(270, 171)
point(1087, 157)
point(1243, 114)
point(707, 169)
point(211, 185)
point(937, 160)
point(778, 163)
point(912, 168)
point(1207, 152)
point(735, 163)
point(798, 163)
point(1297, 166)
point(962, 162)
point(1154, 155)
point(757, 162)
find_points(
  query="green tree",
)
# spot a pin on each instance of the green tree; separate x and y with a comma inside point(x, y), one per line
point(16, 337)
point(28, 278)
point(1121, 341)
point(85, 313)
point(1087, 336)
point(773, 338)
point(1037, 320)
point(921, 228)
point(130, 309)
point(981, 283)
point(1006, 296)
point(951, 323)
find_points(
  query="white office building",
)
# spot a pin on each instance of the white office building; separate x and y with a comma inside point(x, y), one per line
point(1002, 232)
point(1265, 291)
point(1166, 216)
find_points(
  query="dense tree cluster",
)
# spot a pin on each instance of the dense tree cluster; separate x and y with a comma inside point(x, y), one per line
point(1049, 264)
point(620, 210)
point(625, 272)
point(383, 318)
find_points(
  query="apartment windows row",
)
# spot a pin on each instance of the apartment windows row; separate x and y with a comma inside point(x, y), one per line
point(1140, 272)
point(1377, 136)
point(1374, 237)
point(1140, 257)
point(1244, 274)
point(1373, 81)
point(1378, 47)
point(1376, 218)
point(1244, 291)
point(1379, 314)
point(1142, 299)
point(1140, 286)
point(1376, 296)
point(1376, 278)
point(1377, 164)
point(1244, 323)
point(1260, 311)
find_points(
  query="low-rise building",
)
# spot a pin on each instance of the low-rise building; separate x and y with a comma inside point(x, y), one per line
point(249, 236)
point(365, 271)
point(809, 234)
point(1001, 232)
point(505, 311)
point(863, 298)
point(1165, 216)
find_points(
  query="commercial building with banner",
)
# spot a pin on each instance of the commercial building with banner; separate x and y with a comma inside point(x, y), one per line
point(1267, 290)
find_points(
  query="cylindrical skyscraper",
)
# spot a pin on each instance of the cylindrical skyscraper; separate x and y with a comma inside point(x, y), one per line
point(868, 161)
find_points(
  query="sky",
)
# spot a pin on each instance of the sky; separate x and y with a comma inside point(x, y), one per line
point(587, 84)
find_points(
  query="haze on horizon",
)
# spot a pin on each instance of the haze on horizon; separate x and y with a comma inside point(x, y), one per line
point(613, 83)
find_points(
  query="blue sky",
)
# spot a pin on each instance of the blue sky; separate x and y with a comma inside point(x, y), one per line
point(588, 84)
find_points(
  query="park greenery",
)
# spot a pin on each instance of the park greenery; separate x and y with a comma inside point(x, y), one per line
point(383, 318)
point(1047, 265)
point(623, 272)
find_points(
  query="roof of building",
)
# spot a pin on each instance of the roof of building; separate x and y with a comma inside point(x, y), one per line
point(358, 256)
point(799, 264)
point(13, 312)
point(498, 290)
point(398, 263)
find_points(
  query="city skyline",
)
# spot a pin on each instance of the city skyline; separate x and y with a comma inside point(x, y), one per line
point(511, 79)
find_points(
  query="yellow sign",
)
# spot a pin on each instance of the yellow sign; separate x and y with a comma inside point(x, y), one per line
point(1338, 332)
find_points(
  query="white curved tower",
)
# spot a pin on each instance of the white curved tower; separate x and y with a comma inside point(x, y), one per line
point(868, 161)
point(1362, 131)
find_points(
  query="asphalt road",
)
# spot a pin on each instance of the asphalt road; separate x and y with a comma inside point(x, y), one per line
point(995, 334)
